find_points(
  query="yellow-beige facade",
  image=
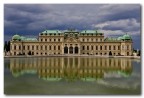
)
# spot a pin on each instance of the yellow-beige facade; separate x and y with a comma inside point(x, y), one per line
point(71, 42)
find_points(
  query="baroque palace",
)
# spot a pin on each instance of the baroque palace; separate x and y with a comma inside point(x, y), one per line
point(86, 42)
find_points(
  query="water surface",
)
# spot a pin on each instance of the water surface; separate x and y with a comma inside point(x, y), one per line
point(72, 76)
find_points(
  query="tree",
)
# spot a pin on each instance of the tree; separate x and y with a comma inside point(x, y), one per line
point(139, 52)
point(5, 46)
point(110, 53)
point(8, 46)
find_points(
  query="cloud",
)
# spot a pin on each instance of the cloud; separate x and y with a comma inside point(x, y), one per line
point(34, 18)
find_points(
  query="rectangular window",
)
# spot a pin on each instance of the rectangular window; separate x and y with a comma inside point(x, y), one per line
point(41, 48)
point(14, 47)
point(100, 47)
point(49, 47)
point(109, 47)
point(37, 47)
point(91, 47)
point(54, 47)
point(114, 47)
point(118, 47)
point(58, 47)
point(105, 47)
point(32, 47)
point(28, 47)
point(83, 47)
point(87, 47)
point(41, 39)
point(45, 47)
point(45, 39)
point(96, 47)
point(59, 40)
point(19, 47)
point(127, 47)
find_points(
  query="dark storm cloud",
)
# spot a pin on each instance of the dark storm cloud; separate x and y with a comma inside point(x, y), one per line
point(30, 19)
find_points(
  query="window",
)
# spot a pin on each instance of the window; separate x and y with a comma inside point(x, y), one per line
point(127, 53)
point(58, 47)
point(41, 47)
point(114, 47)
point(100, 47)
point(83, 40)
point(32, 47)
point(19, 47)
point(54, 40)
point(96, 47)
point(50, 40)
point(23, 47)
point(91, 47)
point(87, 39)
point(45, 47)
point(45, 39)
point(14, 47)
point(54, 47)
point(87, 47)
point(37, 47)
point(96, 40)
point(59, 40)
point(41, 39)
point(49, 47)
point(127, 47)
point(109, 47)
point(28, 47)
point(91, 39)
point(83, 48)
point(105, 47)
point(118, 47)
point(14, 53)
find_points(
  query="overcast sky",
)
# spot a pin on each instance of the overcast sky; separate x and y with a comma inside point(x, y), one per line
point(112, 20)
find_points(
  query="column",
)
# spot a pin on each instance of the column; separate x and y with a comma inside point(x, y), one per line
point(68, 49)
point(73, 50)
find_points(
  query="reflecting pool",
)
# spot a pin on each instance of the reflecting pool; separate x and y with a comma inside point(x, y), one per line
point(72, 76)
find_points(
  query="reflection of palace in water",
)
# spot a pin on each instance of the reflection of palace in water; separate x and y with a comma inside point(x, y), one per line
point(70, 68)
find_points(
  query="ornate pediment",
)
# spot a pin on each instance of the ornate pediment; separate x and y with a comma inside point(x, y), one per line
point(72, 40)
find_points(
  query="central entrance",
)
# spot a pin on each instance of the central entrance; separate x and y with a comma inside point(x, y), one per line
point(71, 50)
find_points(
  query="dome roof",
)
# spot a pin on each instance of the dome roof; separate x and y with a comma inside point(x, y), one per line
point(120, 38)
point(127, 37)
point(16, 37)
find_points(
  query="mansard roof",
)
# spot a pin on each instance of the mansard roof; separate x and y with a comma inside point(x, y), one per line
point(51, 31)
point(90, 31)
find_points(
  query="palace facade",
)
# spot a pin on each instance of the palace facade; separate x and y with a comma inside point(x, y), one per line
point(86, 42)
